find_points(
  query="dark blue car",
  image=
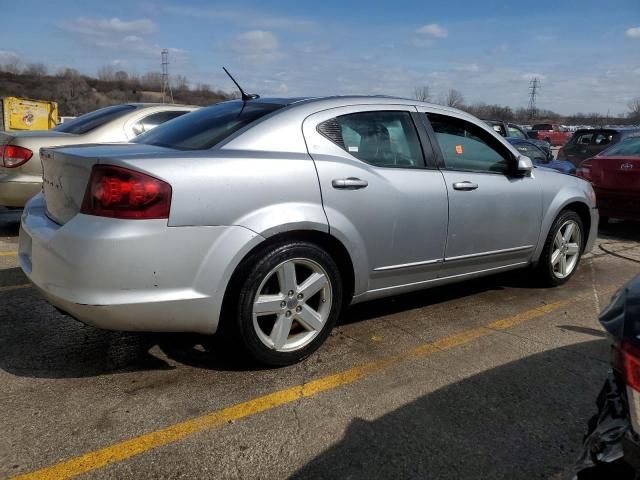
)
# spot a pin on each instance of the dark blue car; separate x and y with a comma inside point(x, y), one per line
point(541, 158)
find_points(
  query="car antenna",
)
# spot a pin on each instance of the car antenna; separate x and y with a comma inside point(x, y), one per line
point(245, 96)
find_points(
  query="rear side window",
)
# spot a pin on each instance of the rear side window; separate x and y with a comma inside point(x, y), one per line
point(466, 146)
point(152, 121)
point(205, 128)
point(630, 147)
point(583, 138)
point(89, 121)
point(381, 138)
point(603, 138)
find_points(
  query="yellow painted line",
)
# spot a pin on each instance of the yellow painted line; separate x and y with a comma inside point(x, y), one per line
point(128, 448)
point(8, 254)
point(15, 287)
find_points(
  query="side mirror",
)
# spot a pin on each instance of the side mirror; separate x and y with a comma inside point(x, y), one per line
point(525, 165)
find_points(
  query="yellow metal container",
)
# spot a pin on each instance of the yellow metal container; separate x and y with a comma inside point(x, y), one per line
point(25, 114)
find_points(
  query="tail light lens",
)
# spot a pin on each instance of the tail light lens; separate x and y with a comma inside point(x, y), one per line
point(13, 156)
point(584, 170)
point(631, 365)
point(122, 193)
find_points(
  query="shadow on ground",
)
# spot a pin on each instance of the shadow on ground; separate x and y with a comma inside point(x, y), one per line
point(620, 230)
point(522, 420)
point(38, 341)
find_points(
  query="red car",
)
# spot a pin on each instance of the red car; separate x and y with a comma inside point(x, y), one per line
point(615, 176)
point(551, 133)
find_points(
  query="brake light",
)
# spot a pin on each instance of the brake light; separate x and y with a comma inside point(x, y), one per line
point(584, 170)
point(118, 192)
point(13, 156)
point(631, 365)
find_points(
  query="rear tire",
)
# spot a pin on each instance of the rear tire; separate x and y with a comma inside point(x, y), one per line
point(562, 250)
point(287, 300)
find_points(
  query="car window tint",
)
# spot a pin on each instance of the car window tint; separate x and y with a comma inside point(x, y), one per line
point(515, 132)
point(630, 147)
point(584, 138)
point(466, 146)
point(381, 138)
point(206, 127)
point(151, 121)
point(89, 121)
point(602, 138)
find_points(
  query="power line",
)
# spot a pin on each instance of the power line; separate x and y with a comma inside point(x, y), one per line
point(166, 85)
point(534, 86)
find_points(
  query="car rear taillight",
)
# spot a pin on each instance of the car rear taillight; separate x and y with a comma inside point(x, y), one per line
point(631, 365)
point(13, 156)
point(584, 170)
point(122, 193)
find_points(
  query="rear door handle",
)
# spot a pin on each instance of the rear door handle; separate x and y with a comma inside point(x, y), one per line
point(350, 183)
point(465, 186)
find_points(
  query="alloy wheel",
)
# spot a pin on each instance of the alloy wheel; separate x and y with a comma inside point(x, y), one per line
point(566, 249)
point(292, 304)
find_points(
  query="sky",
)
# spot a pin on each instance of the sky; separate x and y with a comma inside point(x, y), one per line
point(585, 53)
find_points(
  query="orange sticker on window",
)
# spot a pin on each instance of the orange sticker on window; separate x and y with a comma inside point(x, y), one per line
point(459, 150)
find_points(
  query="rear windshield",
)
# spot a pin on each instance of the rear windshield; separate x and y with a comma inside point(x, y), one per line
point(89, 121)
point(629, 147)
point(206, 127)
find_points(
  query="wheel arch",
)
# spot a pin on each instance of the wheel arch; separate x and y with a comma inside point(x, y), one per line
point(334, 247)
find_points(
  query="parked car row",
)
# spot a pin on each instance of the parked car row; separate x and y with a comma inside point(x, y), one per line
point(260, 219)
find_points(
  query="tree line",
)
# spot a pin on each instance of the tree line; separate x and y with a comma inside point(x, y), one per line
point(454, 98)
point(76, 93)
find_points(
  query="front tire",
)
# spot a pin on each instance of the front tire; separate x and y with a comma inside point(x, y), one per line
point(288, 300)
point(562, 249)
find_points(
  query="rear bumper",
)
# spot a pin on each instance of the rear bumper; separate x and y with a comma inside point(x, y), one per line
point(16, 190)
point(135, 275)
point(622, 205)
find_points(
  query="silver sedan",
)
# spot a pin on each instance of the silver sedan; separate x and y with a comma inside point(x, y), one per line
point(262, 219)
point(20, 166)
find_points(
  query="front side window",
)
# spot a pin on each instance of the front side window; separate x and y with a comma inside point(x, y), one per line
point(90, 121)
point(381, 138)
point(466, 146)
point(602, 139)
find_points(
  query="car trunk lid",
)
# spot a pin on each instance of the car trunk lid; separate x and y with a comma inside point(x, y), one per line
point(616, 173)
point(66, 172)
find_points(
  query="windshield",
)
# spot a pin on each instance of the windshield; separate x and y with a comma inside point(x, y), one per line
point(629, 147)
point(89, 121)
point(206, 127)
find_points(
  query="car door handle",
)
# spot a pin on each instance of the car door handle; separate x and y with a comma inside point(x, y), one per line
point(465, 186)
point(350, 183)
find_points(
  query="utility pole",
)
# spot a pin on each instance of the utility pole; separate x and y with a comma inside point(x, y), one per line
point(534, 85)
point(166, 85)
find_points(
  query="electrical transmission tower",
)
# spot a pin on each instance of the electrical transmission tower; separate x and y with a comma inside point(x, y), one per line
point(534, 86)
point(166, 85)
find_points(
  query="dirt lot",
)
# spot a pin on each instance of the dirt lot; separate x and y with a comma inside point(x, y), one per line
point(488, 379)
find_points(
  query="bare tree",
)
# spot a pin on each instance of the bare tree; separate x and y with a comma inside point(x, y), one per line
point(36, 69)
point(422, 94)
point(11, 65)
point(634, 109)
point(454, 99)
point(152, 81)
point(180, 83)
point(121, 76)
point(107, 73)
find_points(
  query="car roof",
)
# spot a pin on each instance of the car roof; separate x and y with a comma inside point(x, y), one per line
point(612, 129)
